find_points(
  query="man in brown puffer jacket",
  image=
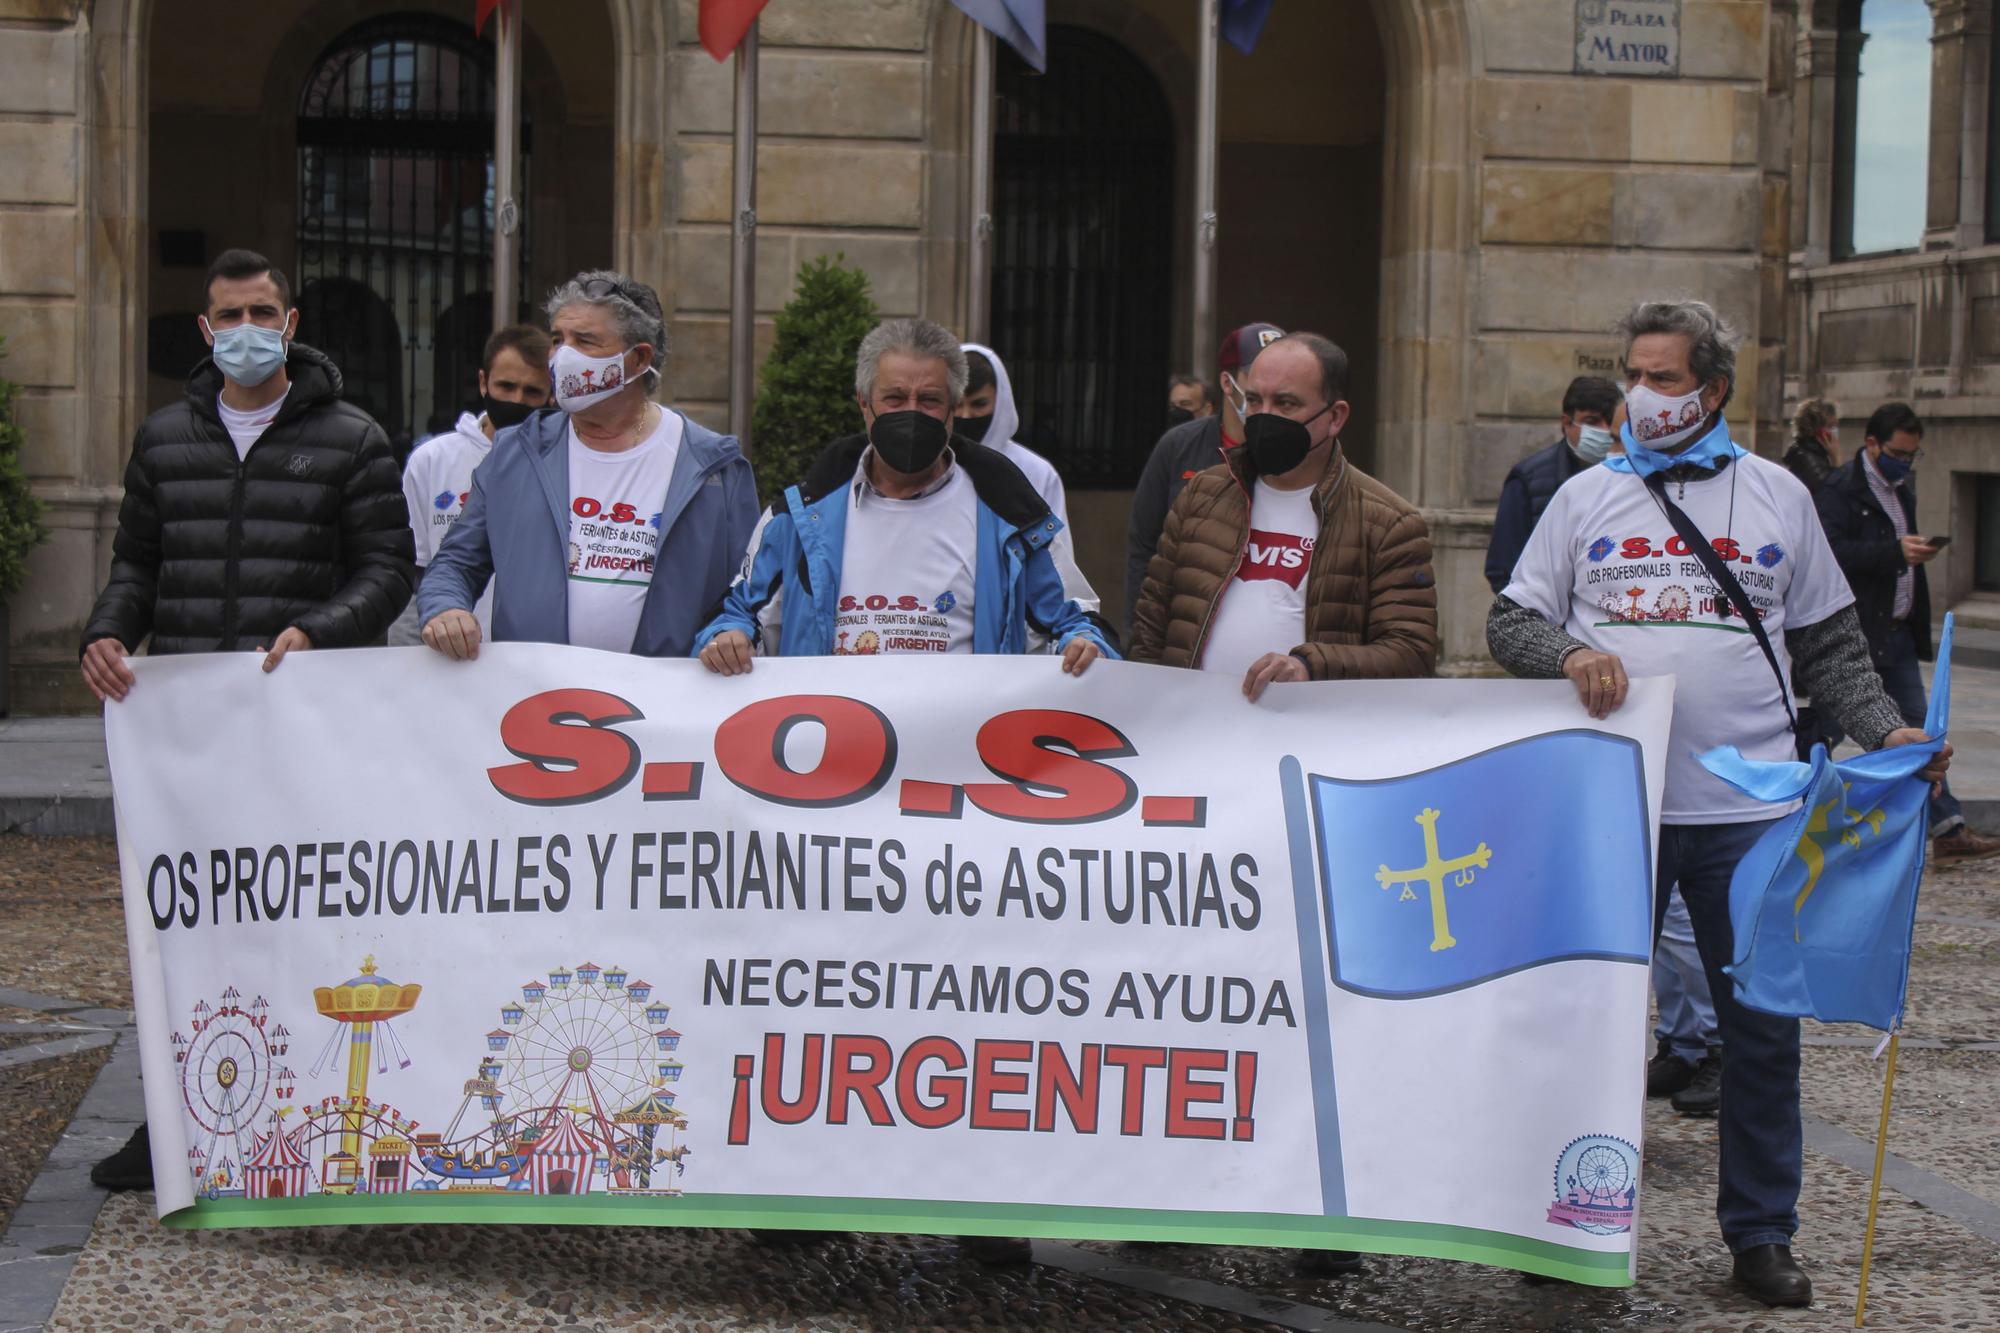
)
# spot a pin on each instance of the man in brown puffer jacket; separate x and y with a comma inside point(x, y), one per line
point(1287, 562)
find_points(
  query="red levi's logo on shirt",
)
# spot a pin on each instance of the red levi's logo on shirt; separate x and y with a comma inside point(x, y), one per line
point(1276, 555)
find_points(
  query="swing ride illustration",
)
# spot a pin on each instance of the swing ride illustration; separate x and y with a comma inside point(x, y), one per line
point(572, 1094)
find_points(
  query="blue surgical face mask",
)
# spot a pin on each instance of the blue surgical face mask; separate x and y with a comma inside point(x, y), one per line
point(1892, 468)
point(248, 354)
point(1593, 443)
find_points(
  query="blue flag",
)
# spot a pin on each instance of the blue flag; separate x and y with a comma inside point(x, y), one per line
point(1530, 853)
point(1824, 905)
point(1243, 22)
point(1022, 24)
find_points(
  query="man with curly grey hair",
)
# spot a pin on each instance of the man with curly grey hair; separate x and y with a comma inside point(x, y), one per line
point(1612, 582)
point(611, 523)
point(929, 543)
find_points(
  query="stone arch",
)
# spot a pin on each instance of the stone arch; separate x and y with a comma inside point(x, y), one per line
point(115, 155)
point(1429, 227)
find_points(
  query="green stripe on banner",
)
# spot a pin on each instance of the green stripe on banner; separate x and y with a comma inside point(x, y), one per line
point(923, 1216)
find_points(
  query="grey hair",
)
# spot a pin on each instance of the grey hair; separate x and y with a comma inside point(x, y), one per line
point(1712, 340)
point(920, 338)
point(634, 308)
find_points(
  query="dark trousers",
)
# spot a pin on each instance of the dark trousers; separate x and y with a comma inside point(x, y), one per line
point(1904, 680)
point(1762, 1150)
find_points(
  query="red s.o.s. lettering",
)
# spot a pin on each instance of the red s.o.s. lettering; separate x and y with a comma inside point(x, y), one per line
point(859, 754)
point(1049, 785)
point(566, 727)
point(1635, 548)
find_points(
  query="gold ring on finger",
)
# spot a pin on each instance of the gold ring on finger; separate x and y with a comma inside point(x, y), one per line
point(1605, 681)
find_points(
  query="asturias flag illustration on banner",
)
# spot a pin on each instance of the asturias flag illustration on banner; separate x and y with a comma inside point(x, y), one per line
point(1824, 905)
point(1426, 875)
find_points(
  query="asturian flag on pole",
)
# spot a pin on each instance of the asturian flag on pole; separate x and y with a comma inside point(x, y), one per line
point(1022, 24)
point(1824, 905)
point(1242, 22)
point(722, 24)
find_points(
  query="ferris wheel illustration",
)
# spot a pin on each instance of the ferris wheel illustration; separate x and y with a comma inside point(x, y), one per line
point(584, 1044)
point(1602, 1175)
point(230, 1067)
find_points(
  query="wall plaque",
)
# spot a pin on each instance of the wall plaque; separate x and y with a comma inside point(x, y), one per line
point(1640, 37)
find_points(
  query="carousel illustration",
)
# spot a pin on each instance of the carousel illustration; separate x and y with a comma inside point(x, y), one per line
point(572, 1094)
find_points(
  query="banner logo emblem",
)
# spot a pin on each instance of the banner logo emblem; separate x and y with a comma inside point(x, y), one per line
point(1597, 1185)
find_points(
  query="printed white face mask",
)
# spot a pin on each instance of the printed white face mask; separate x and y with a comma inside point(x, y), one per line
point(1659, 422)
point(581, 381)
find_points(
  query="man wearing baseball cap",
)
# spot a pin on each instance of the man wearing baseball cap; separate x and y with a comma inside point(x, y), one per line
point(1188, 448)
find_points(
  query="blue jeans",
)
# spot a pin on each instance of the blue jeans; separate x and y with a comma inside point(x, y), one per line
point(1757, 1195)
point(1904, 681)
point(1687, 1014)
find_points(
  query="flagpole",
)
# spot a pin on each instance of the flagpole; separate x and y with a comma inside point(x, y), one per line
point(1204, 191)
point(743, 245)
point(506, 163)
point(979, 248)
point(1875, 1186)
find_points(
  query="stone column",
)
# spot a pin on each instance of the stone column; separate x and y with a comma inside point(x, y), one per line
point(1961, 55)
point(1814, 116)
point(1776, 135)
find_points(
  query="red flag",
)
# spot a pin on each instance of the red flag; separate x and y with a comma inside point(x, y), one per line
point(723, 23)
point(483, 12)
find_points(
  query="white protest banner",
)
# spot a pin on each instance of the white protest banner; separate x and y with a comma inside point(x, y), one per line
point(960, 945)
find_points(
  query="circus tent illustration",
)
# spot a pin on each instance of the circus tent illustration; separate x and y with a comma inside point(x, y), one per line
point(279, 1168)
point(561, 1158)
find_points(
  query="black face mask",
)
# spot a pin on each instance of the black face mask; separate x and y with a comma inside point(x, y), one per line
point(503, 413)
point(909, 442)
point(1279, 444)
point(1178, 416)
point(973, 428)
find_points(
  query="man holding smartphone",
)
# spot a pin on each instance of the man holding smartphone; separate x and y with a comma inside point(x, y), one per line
point(1869, 509)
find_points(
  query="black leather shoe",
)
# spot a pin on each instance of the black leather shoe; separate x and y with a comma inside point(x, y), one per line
point(130, 1168)
point(1771, 1275)
point(1330, 1263)
point(1703, 1094)
point(1667, 1073)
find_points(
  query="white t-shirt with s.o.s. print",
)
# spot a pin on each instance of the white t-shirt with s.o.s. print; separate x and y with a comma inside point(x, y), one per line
point(614, 533)
point(907, 569)
point(1606, 566)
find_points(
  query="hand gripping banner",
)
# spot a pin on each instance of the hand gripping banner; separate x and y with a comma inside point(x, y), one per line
point(962, 946)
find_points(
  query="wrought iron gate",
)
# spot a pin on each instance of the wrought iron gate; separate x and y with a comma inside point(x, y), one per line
point(395, 141)
point(1083, 197)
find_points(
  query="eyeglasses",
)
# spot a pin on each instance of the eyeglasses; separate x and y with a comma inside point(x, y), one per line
point(599, 288)
point(1910, 457)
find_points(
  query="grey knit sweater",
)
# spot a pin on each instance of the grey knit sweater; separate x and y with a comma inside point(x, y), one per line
point(1830, 664)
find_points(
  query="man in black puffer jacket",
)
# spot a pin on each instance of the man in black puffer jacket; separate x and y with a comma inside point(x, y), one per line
point(261, 512)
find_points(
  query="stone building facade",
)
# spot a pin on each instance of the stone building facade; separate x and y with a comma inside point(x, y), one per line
point(1460, 191)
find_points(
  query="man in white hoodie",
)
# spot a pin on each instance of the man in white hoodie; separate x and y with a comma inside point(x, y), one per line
point(987, 415)
point(513, 384)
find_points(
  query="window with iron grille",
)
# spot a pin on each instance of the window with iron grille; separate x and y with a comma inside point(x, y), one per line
point(1083, 229)
point(395, 141)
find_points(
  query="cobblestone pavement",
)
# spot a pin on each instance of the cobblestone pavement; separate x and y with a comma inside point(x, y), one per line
point(1937, 1262)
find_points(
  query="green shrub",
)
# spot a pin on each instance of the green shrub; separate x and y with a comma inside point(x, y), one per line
point(21, 527)
point(805, 397)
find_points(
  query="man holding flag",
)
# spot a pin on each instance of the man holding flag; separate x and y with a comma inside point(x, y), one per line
point(1689, 556)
